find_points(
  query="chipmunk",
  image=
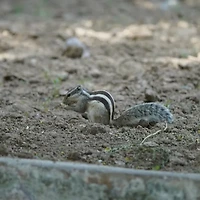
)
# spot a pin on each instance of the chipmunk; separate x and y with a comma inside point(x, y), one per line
point(99, 107)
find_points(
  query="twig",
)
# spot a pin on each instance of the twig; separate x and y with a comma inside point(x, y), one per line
point(148, 136)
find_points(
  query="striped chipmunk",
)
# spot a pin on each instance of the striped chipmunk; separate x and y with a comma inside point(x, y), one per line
point(99, 107)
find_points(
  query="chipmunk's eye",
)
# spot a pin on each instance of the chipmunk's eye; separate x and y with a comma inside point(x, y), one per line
point(69, 94)
point(79, 87)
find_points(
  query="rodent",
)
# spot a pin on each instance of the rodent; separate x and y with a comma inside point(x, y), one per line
point(99, 107)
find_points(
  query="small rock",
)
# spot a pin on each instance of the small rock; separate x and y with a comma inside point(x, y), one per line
point(95, 73)
point(178, 161)
point(12, 77)
point(62, 75)
point(150, 144)
point(73, 52)
point(33, 146)
point(72, 70)
point(191, 156)
point(93, 130)
point(75, 48)
point(151, 96)
point(166, 5)
point(74, 156)
point(120, 163)
point(24, 154)
point(33, 62)
point(3, 150)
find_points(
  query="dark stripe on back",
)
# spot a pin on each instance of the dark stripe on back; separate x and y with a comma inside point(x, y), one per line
point(102, 100)
point(108, 96)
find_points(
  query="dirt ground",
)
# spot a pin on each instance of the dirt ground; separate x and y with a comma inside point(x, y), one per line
point(140, 51)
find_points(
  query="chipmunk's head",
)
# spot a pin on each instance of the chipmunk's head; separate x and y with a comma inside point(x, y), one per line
point(76, 99)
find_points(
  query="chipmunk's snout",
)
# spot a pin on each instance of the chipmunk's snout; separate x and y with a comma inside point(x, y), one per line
point(75, 99)
point(70, 99)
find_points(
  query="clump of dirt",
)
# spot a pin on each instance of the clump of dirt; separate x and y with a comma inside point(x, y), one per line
point(137, 52)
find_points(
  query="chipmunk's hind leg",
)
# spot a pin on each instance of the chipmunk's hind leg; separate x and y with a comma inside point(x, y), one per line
point(97, 112)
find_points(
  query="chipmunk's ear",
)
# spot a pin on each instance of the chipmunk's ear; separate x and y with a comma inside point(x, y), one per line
point(74, 91)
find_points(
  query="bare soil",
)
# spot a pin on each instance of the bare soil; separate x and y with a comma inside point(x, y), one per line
point(139, 52)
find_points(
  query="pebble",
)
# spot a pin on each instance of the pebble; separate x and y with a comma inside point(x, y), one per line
point(151, 96)
point(95, 73)
point(3, 150)
point(75, 48)
point(62, 75)
point(178, 161)
point(150, 144)
point(93, 130)
point(119, 163)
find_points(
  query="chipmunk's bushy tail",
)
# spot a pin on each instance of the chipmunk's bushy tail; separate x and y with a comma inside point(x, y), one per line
point(144, 114)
